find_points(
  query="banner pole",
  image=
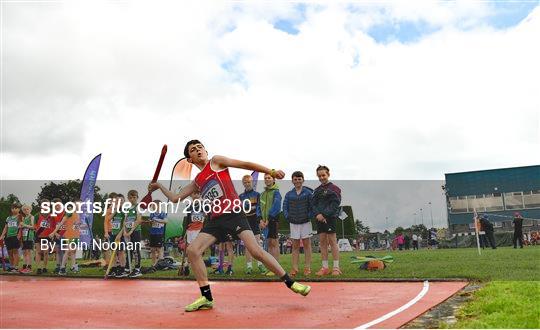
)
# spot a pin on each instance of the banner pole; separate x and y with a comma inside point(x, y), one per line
point(476, 224)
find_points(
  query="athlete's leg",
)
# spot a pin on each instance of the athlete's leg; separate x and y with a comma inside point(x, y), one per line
point(324, 247)
point(273, 247)
point(152, 254)
point(11, 256)
point(45, 258)
point(307, 252)
point(230, 252)
point(64, 260)
point(258, 253)
point(249, 258)
point(37, 256)
point(122, 258)
point(194, 253)
point(295, 254)
point(335, 250)
point(29, 260)
point(26, 257)
point(73, 257)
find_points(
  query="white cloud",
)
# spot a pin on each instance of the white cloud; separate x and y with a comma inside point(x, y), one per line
point(124, 79)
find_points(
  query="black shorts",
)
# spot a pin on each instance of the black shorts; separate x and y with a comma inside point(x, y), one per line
point(121, 246)
point(12, 242)
point(327, 228)
point(273, 226)
point(135, 236)
point(58, 242)
point(254, 224)
point(226, 227)
point(28, 245)
point(112, 237)
point(156, 241)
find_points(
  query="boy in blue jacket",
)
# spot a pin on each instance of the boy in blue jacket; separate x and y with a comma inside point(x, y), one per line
point(298, 211)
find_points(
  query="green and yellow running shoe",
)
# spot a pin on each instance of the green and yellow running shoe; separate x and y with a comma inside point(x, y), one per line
point(301, 288)
point(200, 303)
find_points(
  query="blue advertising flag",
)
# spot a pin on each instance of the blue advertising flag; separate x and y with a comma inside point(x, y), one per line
point(255, 177)
point(87, 194)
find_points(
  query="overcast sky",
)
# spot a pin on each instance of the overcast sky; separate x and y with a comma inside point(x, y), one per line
point(389, 90)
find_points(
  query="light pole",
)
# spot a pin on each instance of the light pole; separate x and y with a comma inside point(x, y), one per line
point(431, 213)
point(415, 219)
point(422, 214)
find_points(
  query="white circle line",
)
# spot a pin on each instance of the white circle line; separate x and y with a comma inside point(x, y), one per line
point(399, 310)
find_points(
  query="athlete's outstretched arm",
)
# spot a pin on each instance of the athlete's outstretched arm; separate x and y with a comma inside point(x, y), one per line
point(175, 198)
point(223, 162)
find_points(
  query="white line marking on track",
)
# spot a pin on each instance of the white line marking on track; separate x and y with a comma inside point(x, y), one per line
point(399, 310)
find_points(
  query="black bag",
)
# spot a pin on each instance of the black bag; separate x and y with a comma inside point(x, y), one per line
point(166, 263)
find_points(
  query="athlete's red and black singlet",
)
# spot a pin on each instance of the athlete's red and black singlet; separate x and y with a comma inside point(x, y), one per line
point(217, 187)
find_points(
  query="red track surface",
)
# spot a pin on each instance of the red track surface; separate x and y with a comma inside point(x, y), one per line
point(32, 302)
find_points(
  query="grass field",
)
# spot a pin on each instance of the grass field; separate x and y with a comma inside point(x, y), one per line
point(508, 299)
point(500, 264)
point(503, 304)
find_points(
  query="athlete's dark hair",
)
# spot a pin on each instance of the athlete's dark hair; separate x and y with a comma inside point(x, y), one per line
point(112, 195)
point(297, 174)
point(15, 206)
point(323, 167)
point(186, 148)
point(133, 193)
point(120, 196)
point(57, 200)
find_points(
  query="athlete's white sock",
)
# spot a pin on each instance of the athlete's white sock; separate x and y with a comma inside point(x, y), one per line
point(325, 263)
point(336, 263)
point(249, 264)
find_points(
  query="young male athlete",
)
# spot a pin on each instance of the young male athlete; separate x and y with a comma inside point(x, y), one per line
point(226, 218)
point(158, 220)
point(10, 232)
point(132, 231)
point(107, 225)
point(44, 226)
point(27, 226)
point(254, 223)
point(117, 234)
point(59, 234)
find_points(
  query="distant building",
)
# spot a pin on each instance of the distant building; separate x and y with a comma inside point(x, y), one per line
point(498, 192)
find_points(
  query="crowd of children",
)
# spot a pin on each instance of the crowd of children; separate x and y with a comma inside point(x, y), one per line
point(300, 205)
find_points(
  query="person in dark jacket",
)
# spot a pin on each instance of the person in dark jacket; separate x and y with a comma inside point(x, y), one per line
point(487, 227)
point(518, 230)
point(298, 212)
point(253, 197)
point(326, 207)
